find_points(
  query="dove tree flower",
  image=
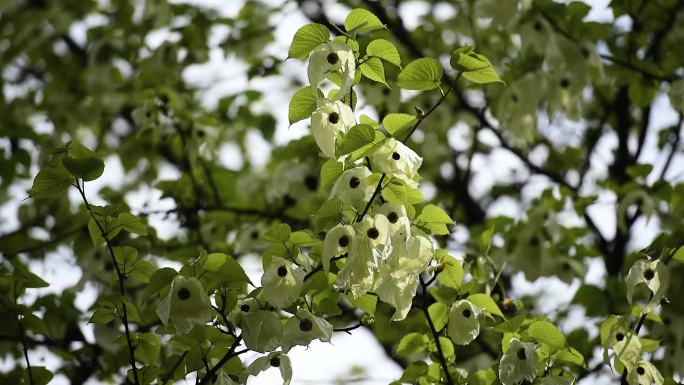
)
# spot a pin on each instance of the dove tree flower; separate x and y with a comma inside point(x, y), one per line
point(352, 188)
point(463, 325)
point(303, 328)
point(395, 158)
point(272, 360)
point(186, 305)
point(327, 123)
point(332, 57)
point(518, 363)
point(337, 241)
point(281, 283)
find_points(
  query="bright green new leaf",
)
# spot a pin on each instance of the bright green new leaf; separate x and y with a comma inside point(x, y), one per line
point(486, 303)
point(475, 67)
point(547, 333)
point(384, 50)
point(421, 74)
point(306, 39)
point(85, 168)
point(411, 343)
point(279, 232)
point(360, 20)
point(302, 105)
point(357, 137)
point(148, 348)
point(131, 223)
point(398, 123)
point(373, 70)
point(439, 313)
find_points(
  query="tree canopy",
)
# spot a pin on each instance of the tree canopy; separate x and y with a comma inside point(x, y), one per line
point(394, 166)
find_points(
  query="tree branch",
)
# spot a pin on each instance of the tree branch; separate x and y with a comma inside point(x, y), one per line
point(121, 277)
point(435, 336)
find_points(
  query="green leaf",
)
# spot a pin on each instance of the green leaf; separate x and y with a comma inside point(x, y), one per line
point(485, 302)
point(475, 67)
point(439, 313)
point(142, 270)
point(451, 274)
point(365, 302)
point(357, 137)
point(226, 269)
point(384, 50)
point(50, 181)
point(85, 168)
point(329, 214)
point(410, 344)
point(360, 20)
point(39, 374)
point(302, 105)
point(102, 315)
point(330, 171)
point(373, 70)
point(148, 348)
point(679, 254)
point(547, 333)
point(421, 74)
point(306, 39)
point(158, 280)
point(132, 224)
point(435, 219)
point(398, 123)
point(279, 232)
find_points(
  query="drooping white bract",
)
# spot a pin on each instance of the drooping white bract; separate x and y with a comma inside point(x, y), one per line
point(654, 274)
point(351, 187)
point(518, 363)
point(371, 245)
point(337, 241)
point(399, 221)
point(333, 56)
point(304, 328)
point(463, 325)
point(186, 305)
point(327, 122)
point(645, 373)
point(398, 275)
point(394, 158)
point(273, 360)
point(281, 283)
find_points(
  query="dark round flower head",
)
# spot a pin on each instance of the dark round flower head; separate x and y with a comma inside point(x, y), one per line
point(305, 325)
point(521, 354)
point(649, 274)
point(333, 118)
point(466, 313)
point(373, 233)
point(183, 294)
point(332, 58)
point(275, 362)
point(354, 182)
point(343, 241)
point(282, 271)
point(393, 217)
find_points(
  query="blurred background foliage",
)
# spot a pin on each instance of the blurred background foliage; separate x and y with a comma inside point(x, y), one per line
point(578, 159)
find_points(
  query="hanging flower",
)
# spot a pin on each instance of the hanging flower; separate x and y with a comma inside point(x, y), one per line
point(337, 241)
point(371, 245)
point(304, 328)
point(273, 360)
point(399, 223)
point(186, 305)
point(281, 284)
point(644, 373)
point(398, 275)
point(329, 57)
point(463, 325)
point(352, 189)
point(654, 274)
point(327, 122)
point(518, 363)
point(394, 158)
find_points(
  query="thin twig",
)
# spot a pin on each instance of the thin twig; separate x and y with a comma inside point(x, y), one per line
point(435, 335)
point(121, 277)
point(349, 328)
point(229, 354)
point(25, 349)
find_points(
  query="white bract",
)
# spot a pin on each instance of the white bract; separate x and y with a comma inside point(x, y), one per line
point(337, 241)
point(399, 222)
point(351, 187)
point(518, 363)
point(645, 373)
point(261, 330)
point(327, 122)
point(654, 274)
point(186, 305)
point(281, 283)
point(304, 328)
point(396, 159)
point(333, 56)
point(273, 360)
point(463, 326)
point(398, 275)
